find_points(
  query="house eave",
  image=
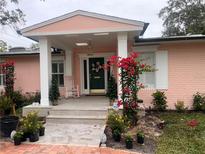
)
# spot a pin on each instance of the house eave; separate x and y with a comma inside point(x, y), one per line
point(84, 13)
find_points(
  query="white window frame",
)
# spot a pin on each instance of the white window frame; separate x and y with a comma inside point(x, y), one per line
point(143, 75)
point(58, 73)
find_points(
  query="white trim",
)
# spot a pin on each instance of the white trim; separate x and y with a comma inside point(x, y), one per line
point(150, 48)
point(86, 57)
point(84, 13)
point(162, 69)
point(74, 32)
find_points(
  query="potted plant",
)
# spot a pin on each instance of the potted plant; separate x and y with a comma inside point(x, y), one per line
point(31, 126)
point(41, 129)
point(8, 123)
point(116, 135)
point(18, 137)
point(140, 137)
point(128, 141)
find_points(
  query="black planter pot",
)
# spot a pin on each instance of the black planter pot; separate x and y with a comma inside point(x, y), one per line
point(24, 138)
point(33, 137)
point(17, 141)
point(117, 137)
point(8, 124)
point(42, 131)
point(129, 144)
point(140, 139)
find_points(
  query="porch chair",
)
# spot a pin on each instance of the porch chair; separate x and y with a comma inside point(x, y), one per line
point(72, 90)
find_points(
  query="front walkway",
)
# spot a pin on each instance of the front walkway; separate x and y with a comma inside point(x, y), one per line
point(9, 148)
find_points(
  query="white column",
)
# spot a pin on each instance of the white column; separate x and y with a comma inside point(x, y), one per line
point(122, 52)
point(45, 70)
point(68, 63)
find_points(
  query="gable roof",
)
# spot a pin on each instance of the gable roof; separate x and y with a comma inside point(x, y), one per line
point(88, 14)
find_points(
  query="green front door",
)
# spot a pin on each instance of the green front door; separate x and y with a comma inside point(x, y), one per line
point(97, 75)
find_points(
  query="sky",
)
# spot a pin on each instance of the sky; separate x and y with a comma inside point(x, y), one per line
point(40, 10)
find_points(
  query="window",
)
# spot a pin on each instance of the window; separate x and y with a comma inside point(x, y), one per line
point(58, 72)
point(2, 78)
point(148, 78)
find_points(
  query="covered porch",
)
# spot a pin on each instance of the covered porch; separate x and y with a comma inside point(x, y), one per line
point(88, 40)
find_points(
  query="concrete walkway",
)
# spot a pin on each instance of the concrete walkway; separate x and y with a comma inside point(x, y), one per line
point(9, 148)
point(77, 121)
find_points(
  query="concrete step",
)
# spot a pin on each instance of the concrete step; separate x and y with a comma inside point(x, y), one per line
point(69, 112)
point(62, 119)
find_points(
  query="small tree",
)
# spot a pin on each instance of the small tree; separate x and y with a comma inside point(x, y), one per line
point(54, 91)
point(131, 67)
point(8, 70)
point(112, 88)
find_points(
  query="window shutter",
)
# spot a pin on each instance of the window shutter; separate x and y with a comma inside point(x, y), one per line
point(162, 70)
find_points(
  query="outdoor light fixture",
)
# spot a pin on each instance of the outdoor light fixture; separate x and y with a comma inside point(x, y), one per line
point(100, 34)
point(82, 44)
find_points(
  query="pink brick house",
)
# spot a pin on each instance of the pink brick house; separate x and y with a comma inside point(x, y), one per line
point(88, 39)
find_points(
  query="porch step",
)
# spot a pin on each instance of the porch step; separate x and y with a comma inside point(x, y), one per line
point(80, 112)
point(76, 119)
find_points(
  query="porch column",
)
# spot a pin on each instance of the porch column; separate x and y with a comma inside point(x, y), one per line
point(122, 52)
point(45, 70)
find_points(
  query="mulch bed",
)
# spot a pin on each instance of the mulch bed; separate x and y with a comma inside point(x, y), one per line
point(149, 124)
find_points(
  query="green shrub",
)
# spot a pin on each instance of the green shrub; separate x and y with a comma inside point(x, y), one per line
point(30, 123)
point(18, 135)
point(198, 101)
point(128, 138)
point(18, 99)
point(180, 107)
point(31, 97)
point(159, 101)
point(112, 88)
point(5, 104)
point(116, 121)
point(54, 93)
point(140, 134)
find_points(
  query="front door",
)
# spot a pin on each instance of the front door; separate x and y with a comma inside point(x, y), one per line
point(97, 75)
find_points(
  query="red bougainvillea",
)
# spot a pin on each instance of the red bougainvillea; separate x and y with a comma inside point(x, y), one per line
point(193, 123)
point(130, 69)
point(8, 70)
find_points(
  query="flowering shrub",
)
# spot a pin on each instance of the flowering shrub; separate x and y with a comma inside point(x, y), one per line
point(8, 70)
point(116, 121)
point(30, 123)
point(193, 123)
point(131, 67)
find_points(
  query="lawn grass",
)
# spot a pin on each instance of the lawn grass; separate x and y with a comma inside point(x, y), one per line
point(178, 138)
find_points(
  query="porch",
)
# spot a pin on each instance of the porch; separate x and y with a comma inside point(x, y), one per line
point(88, 40)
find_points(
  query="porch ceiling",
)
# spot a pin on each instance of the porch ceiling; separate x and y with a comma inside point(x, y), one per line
point(94, 41)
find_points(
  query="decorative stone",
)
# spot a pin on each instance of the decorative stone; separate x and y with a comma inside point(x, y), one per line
point(103, 139)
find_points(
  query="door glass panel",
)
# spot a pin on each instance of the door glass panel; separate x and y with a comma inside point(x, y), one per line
point(61, 68)
point(85, 74)
point(54, 68)
point(61, 80)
